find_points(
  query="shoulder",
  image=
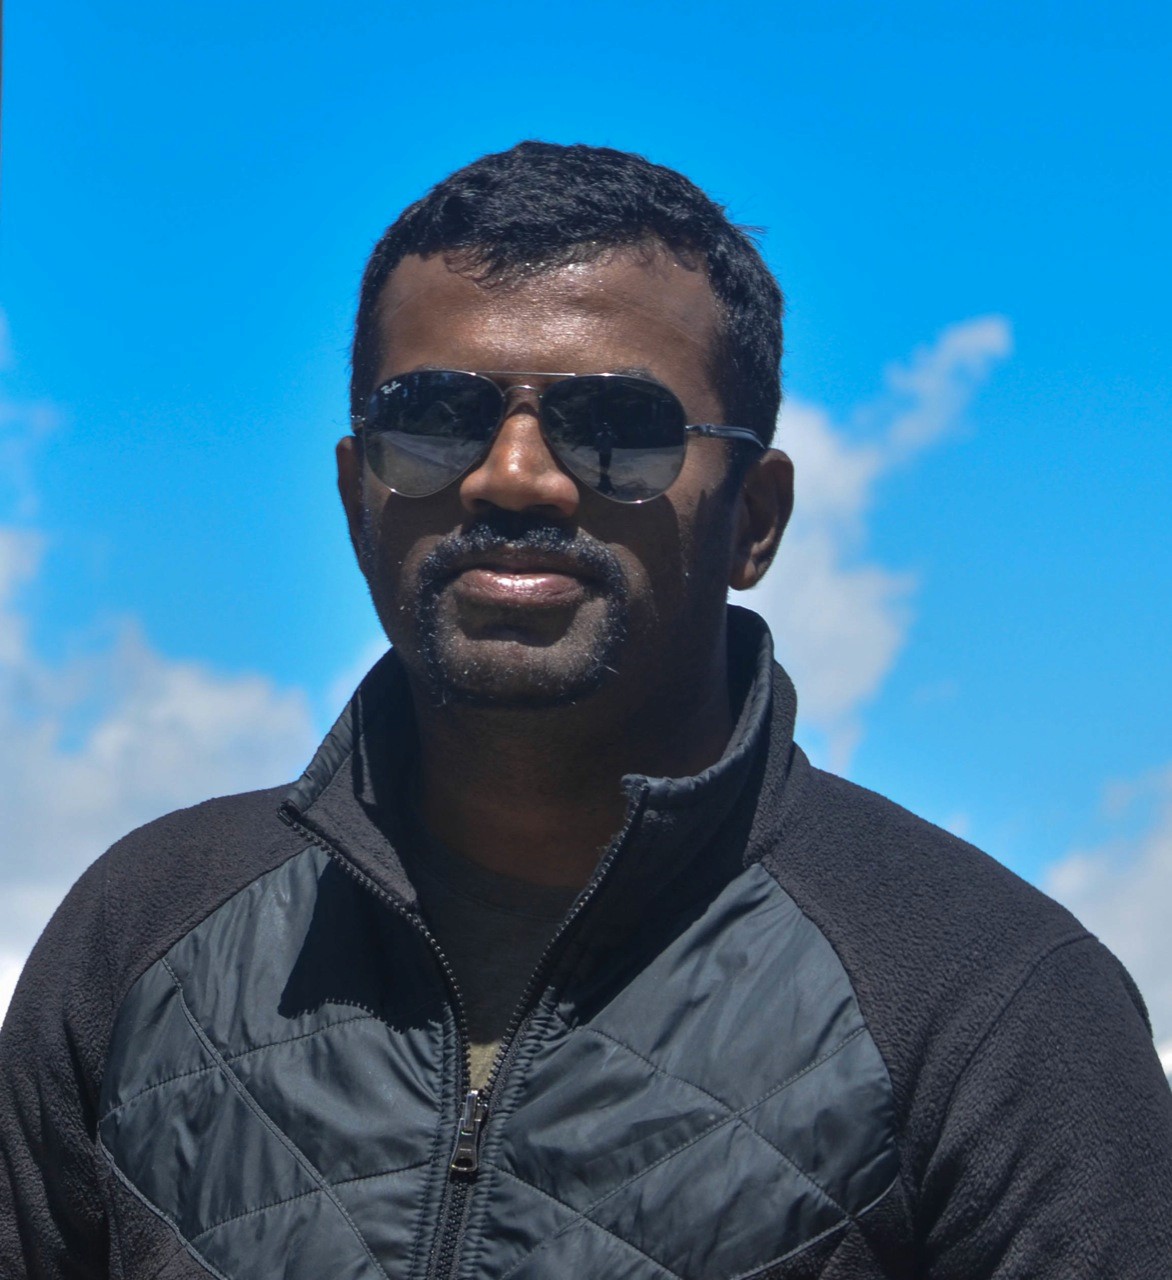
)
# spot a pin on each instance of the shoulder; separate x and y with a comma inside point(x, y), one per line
point(936, 936)
point(980, 992)
point(161, 880)
point(143, 894)
point(870, 867)
point(188, 849)
point(148, 891)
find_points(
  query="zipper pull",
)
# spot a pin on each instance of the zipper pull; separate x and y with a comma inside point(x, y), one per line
point(466, 1156)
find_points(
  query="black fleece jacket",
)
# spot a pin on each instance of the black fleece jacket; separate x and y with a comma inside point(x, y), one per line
point(789, 1030)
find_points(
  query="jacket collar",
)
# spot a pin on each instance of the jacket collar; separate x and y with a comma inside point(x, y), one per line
point(349, 794)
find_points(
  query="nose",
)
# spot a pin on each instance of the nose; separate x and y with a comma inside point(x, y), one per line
point(519, 472)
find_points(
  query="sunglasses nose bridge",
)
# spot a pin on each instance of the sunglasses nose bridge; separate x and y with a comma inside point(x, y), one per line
point(519, 469)
point(517, 396)
point(524, 399)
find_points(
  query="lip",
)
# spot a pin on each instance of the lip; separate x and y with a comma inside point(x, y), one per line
point(520, 579)
point(519, 590)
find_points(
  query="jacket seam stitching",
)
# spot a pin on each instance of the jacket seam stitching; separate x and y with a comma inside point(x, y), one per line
point(822, 1235)
point(578, 1216)
point(995, 1018)
point(160, 1213)
point(732, 1117)
point(1066, 940)
point(763, 1269)
point(229, 1059)
point(729, 1119)
point(304, 1195)
point(382, 1173)
point(197, 916)
point(259, 1113)
point(741, 1115)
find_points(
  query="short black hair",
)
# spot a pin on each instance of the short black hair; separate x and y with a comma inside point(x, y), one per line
point(541, 205)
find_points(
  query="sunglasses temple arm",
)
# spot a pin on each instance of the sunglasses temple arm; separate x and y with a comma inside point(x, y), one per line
point(712, 432)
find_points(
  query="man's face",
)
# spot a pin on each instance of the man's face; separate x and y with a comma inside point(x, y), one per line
point(516, 585)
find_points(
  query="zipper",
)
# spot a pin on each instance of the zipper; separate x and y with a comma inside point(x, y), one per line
point(453, 1209)
point(289, 816)
point(466, 1156)
point(537, 978)
point(464, 1163)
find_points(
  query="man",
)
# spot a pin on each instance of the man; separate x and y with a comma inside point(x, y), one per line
point(560, 959)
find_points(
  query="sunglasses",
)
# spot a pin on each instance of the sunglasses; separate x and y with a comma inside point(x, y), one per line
point(620, 435)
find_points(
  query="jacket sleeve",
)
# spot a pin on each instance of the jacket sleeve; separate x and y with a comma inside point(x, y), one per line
point(1055, 1157)
point(52, 1222)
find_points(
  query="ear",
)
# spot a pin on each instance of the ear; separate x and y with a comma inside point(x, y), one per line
point(763, 510)
point(348, 452)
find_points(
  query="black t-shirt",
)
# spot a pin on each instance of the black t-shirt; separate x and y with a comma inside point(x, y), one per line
point(492, 928)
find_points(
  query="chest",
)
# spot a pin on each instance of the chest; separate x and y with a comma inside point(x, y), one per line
point(286, 1088)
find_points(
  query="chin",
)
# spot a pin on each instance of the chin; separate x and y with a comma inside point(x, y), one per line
point(508, 674)
point(507, 659)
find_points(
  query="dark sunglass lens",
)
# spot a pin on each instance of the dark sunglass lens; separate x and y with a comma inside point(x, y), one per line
point(425, 429)
point(624, 437)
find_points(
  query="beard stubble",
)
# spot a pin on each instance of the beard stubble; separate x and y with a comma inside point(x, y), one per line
point(512, 673)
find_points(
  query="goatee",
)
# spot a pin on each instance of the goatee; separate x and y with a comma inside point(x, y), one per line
point(547, 675)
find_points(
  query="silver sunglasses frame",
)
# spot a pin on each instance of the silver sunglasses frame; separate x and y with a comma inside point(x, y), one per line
point(706, 430)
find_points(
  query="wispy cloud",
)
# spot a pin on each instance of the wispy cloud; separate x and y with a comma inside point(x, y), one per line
point(95, 746)
point(23, 424)
point(1121, 890)
point(840, 619)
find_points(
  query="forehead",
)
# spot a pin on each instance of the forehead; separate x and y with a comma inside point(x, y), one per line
point(643, 308)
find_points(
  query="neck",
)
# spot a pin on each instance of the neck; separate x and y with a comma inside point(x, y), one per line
point(537, 795)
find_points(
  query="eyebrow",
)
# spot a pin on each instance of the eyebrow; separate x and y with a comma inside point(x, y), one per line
point(630, 371)
point(636, 371)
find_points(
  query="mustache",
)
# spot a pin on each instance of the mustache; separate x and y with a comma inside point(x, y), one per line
point(521, 531)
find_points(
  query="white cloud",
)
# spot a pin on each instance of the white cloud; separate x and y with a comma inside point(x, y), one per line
point(1122, 891)
point(20, 553)
point(940, 380)
point(97, 745)
point(23, 424)
point(840, 620)
point(11, 963)
point(343, 685)
point(94, 747)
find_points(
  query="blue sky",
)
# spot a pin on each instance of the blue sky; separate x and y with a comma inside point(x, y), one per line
point(967, 208)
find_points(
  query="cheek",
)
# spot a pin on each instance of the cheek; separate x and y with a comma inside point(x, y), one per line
point(706, 550)
point(391, 546)
point(646, 541)
point(684, 541)
point(676, 550)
